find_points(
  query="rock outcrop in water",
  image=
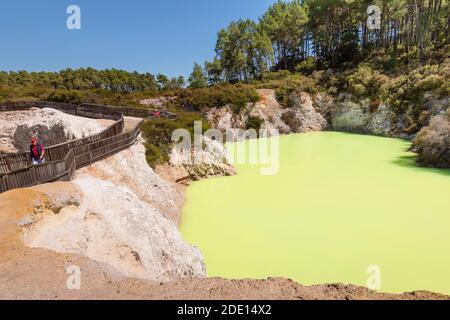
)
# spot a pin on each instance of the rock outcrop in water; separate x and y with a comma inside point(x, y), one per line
point(213, 160)
point(433, 142)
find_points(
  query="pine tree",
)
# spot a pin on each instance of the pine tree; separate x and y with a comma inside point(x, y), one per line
point(197, 79)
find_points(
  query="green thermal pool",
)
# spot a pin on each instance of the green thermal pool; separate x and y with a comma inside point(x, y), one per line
point(339, 204)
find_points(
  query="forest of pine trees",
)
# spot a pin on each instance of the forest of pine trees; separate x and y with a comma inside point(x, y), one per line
point(292, 35)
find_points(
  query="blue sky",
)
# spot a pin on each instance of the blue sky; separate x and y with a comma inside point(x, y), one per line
point(157, 36)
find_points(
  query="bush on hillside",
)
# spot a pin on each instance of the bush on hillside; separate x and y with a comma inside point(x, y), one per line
point(408, 90)
point(366, 82)
point(306, 67)
point(254, 123)
point(218, 96)
point(158, 134)
point(431, 82)
point(65, 96)
point(433, 143)
point(279, 75)
point(297, 83)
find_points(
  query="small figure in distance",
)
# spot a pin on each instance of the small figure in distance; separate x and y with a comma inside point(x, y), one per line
point(37, 152)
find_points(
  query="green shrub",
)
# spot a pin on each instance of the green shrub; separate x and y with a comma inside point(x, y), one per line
point(306, 67)
point(430, 82)
point(444, 90)
point(158, 134)
point(359, 89)
point(433, 143)
point(298, 83)
point(367, 82)
point(282, 95)
point(279, 75)
point(218, 96)
point(154, 155)
point(3, 95)
point(254, 123)
point(65, 96)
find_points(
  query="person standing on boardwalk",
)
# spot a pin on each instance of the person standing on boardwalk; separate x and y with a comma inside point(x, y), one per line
point(37, 152)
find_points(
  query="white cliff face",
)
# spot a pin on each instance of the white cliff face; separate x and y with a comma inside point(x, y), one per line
point(302, 117)
point(122, 219)
point(351, 116)
point(129, 169)
point(212, 160)
point(381, 122)
point(158, 103)
point(223, 118)
point(357, 117)
point(18, 127)
point(269, 110)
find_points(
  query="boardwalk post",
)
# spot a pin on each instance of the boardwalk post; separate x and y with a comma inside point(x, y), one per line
point(3, 186)
point(33, 173)
point(8, 163)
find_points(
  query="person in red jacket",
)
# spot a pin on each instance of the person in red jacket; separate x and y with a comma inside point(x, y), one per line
point(37, 152)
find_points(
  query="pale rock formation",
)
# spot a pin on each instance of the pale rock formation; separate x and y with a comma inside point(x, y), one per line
point(157, 103)
point(381, 122)
point(324, 104)
point(120, 217)
point(50, 125)
point(356, 117)
point(212, 160)
point(302, 117)
point(223, 118)
point(351, 116)
point(269, 110)
point(437, 106)
point(129, 169)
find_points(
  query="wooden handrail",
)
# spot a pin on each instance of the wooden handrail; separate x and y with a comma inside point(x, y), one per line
point(16, 170)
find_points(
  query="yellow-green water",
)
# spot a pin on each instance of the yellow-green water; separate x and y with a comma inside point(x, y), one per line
point(339, 204)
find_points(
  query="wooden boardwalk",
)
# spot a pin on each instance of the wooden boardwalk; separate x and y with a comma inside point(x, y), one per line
point(17, 171)
point(131, 123)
